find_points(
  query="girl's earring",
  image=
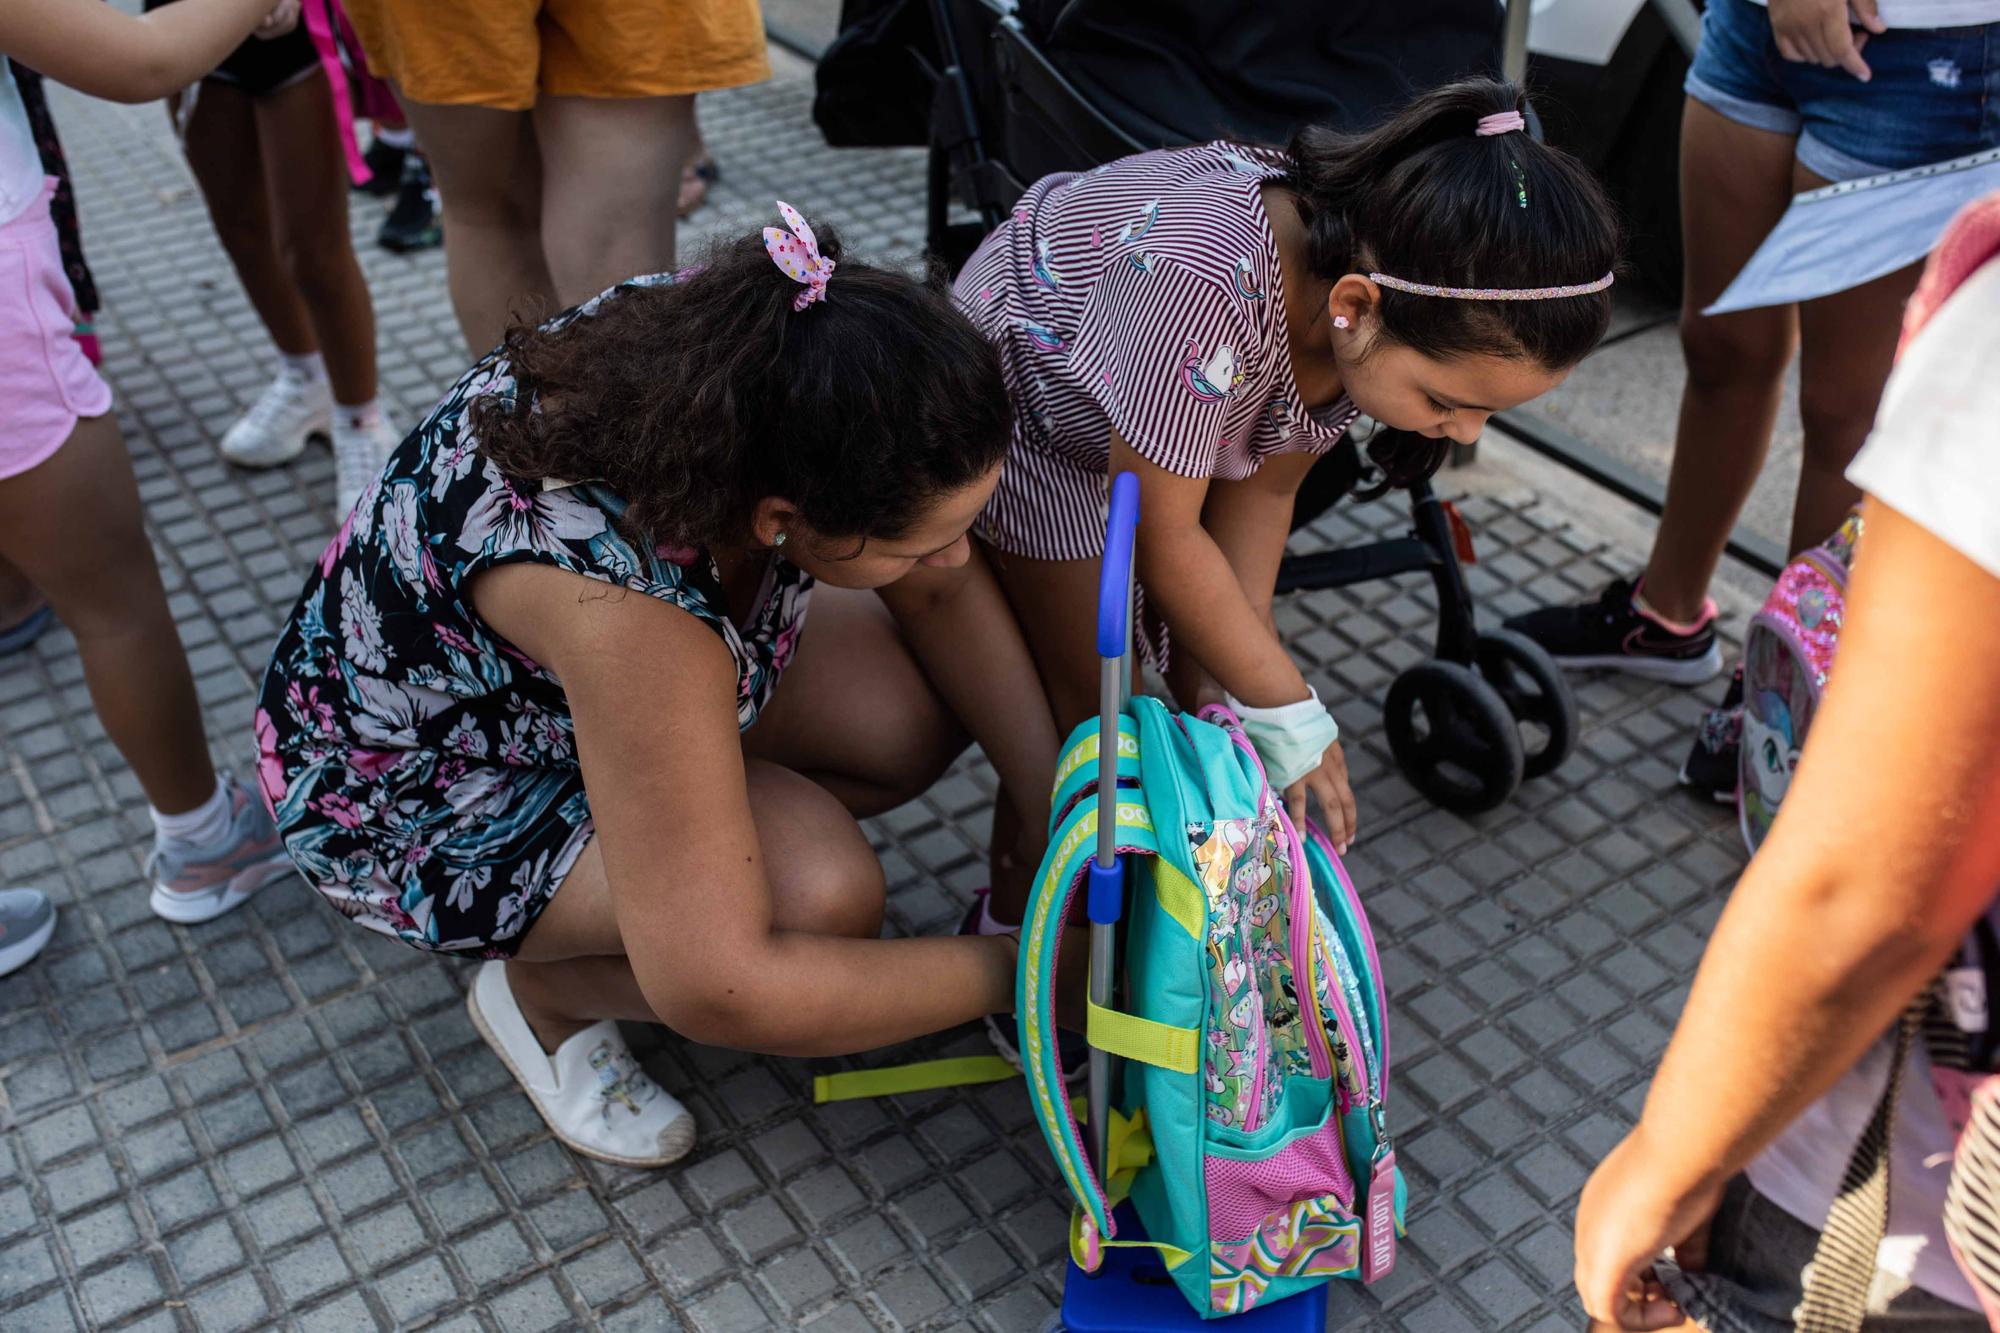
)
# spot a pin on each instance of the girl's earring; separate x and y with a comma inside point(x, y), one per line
point(1340, 321)
point(778, 540)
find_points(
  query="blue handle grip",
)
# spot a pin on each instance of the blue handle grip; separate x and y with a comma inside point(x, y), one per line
point(1114, 583)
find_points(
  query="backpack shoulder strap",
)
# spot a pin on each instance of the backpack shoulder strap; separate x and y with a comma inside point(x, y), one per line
point(1064, 869)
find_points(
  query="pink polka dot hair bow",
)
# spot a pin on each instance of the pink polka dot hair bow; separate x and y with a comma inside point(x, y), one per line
point(797, 253)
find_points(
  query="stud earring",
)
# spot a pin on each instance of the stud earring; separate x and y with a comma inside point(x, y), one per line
point(1340, 321)
point(778, 540)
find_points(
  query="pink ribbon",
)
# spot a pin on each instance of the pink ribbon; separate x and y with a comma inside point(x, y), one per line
point(796, 253)
point(1500, 122)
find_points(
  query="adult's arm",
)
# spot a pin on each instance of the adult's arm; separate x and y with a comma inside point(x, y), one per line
point(96, 49)
point(1886, 850)
point(653, 694)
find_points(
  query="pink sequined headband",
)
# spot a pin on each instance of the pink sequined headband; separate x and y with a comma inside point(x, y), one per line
point(796, 252)
point(1491, 293)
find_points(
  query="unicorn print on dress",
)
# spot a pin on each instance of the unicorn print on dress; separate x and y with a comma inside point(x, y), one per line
point(1143, 261)
point(1239, 163)
point(1045, 268)
point(1136, 228)
point(1043, 336)
point(1245, 286)
point(1213, 379)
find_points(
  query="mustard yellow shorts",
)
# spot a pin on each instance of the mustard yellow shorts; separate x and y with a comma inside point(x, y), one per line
point(505, 53)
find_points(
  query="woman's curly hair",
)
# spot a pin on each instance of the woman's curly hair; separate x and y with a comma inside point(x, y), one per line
point(695, 399)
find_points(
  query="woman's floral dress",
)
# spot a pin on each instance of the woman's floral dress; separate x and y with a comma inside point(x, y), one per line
point(422, 769)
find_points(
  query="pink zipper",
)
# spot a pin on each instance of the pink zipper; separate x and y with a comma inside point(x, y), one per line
point(1367, 933)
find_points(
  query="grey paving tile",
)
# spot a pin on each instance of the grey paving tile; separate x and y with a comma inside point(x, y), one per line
point(303, 1119)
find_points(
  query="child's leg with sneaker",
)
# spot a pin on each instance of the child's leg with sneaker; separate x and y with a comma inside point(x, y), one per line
point(278, 196)
point(72, 526)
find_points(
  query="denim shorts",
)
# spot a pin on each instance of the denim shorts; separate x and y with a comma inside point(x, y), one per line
point(1757, 1255)
point(1935, 94)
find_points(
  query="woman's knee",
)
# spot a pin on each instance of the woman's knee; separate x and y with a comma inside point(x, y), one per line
point(824, 877)
point(1753, 348)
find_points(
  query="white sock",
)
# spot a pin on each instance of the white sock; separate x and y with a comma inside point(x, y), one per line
point(987, 925)
point(357, 416)
point(309, 369)
point(203, 826)
point(402, 138)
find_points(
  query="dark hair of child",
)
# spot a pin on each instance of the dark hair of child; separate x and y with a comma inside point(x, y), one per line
point(1421, 197)
point(694, 400)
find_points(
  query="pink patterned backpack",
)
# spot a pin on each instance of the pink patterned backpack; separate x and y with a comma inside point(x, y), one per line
point(1786, 656)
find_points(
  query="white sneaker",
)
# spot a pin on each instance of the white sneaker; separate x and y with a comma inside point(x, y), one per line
point(359, 455)
point(275, 429)
point(27, 919)
point(593, 1094)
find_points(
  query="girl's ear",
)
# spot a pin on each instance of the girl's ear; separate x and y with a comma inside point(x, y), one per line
point(774, 521)
point(1352, 299)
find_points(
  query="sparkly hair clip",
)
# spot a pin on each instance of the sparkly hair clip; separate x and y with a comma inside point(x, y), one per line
point(1491, 293)
point(796, 252)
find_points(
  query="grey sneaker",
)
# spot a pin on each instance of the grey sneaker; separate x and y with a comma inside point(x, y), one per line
point(27, 919)
point(192, 886)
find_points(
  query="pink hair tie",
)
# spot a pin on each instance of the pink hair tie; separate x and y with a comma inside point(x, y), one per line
point(796, 253)
point(1500, 122)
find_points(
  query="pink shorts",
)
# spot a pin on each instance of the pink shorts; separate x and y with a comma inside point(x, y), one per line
point(46, 384)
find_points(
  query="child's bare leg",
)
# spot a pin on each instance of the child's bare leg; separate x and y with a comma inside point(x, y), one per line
point(19, 598)
point(1053, 600)
point(73, 527)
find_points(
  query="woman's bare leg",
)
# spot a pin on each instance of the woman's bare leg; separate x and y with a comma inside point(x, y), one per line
point(855, 714)
point(1736, 182)
point(489, 180)
point(611, 178)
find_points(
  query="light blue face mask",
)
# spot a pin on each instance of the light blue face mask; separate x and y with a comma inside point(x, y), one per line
point(1291, 739)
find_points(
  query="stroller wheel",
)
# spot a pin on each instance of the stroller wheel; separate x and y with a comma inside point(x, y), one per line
point(1533, 687)
point(1453, 737)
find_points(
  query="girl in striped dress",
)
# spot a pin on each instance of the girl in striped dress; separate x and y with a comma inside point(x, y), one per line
point(1213, 318)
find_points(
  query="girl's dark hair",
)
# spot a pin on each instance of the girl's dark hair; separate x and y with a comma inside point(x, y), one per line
point(1422, 197)
point(695, 399)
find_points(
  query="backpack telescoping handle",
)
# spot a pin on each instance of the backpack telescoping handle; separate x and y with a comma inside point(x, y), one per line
point(1107, 870)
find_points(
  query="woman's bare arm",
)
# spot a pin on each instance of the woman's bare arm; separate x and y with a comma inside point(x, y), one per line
point(653, 694)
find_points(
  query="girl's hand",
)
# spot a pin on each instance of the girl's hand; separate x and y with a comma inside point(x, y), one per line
point(1629, 1215)
point(284, 16)
point(1328, 784)
point(1820, 32)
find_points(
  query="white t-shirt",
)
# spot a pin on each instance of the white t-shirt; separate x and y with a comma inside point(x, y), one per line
point(1935, 13)
point(20, 162)
point(1934, 456)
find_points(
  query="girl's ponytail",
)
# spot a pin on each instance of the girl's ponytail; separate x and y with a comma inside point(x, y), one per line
point(1428, 198)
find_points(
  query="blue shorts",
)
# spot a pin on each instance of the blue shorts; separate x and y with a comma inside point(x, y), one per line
point(1935, 94)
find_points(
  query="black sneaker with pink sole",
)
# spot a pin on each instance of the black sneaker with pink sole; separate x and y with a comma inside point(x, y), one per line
point(1001, 1029)
point(1613, 633)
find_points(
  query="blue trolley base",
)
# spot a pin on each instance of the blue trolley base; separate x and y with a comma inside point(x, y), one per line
point(1131, 1293)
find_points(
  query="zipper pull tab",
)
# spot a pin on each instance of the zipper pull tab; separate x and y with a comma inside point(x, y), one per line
point(1378, 1233)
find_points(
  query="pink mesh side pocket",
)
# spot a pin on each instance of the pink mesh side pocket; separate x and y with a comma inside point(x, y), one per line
point(1242, 1196)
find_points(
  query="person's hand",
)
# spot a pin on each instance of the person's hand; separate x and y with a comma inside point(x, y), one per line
point(1628, 1217)
point(1820, 32)
point(1328, 785)
point(284, 16)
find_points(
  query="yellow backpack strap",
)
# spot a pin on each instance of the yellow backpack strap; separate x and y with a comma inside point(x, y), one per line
point(923, 1076)
point(1141, 1039)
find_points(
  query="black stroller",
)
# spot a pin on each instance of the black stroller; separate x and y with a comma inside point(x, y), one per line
point(1015, 91)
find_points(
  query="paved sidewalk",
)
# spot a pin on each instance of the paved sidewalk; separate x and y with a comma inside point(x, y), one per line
point(277, 1120)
